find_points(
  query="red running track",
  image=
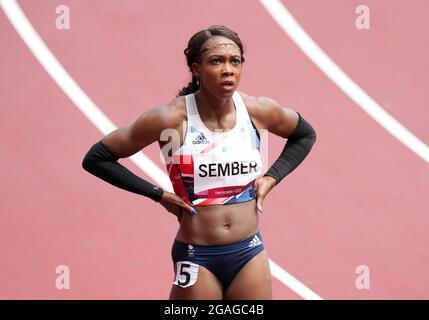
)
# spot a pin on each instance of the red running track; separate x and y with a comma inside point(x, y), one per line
point(360, 198)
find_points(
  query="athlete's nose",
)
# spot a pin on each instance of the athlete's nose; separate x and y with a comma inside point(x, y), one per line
point(228, 70)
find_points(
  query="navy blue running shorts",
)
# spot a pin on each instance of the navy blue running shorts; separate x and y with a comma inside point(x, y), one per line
point(224, 261)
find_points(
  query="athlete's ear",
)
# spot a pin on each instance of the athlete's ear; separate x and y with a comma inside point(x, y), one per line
point(195, 69)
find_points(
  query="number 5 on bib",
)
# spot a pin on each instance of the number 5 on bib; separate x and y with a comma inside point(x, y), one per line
point(186, 274)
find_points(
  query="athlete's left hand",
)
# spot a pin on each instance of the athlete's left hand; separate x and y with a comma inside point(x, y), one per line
point(263, 186)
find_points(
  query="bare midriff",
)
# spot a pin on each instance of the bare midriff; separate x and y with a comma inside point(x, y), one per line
point(219, 224)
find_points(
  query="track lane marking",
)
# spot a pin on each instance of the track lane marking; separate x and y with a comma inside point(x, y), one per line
point(309, 47)
point(63, 79)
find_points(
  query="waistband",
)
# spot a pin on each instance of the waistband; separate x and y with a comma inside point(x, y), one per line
point(223, 247)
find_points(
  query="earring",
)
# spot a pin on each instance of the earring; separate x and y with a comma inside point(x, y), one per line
point(198, 82)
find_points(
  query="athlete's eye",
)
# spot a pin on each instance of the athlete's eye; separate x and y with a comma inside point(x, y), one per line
point(215, 61)
point(236, 61)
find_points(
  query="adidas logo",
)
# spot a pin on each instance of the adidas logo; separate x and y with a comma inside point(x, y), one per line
point(201, 139)
point(255, 242)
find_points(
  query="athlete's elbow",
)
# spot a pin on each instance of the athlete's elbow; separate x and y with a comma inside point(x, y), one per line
point(312, 135)
point(87, 162)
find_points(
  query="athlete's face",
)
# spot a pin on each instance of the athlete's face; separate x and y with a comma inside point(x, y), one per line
point(220, 65)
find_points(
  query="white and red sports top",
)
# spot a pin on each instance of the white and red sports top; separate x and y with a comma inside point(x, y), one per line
point(216, 168)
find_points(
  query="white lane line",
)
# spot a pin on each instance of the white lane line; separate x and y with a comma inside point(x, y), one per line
point(102, 122)
point(71, 88)
point(287, 22)
point(293, 283)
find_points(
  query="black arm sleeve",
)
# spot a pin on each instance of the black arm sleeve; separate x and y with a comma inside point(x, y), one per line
point(102, 163)
point(298, 145)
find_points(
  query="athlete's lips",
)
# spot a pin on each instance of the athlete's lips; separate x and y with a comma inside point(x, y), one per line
point(227, 85)
point(228, 82)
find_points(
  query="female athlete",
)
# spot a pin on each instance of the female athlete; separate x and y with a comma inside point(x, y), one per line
point(209, 136)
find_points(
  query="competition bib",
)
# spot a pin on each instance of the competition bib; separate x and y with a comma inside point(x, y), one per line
point(222, 170)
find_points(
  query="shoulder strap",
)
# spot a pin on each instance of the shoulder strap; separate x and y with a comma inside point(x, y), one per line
point(242, 113)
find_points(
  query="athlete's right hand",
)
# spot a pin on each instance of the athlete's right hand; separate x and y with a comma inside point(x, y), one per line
point(174, 204)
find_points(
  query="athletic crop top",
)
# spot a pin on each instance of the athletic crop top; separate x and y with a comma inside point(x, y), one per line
point(216, 168)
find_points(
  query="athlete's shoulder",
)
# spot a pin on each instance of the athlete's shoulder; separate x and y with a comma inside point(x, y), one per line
point(173, 113)
point(267, 113)
point(258, 105)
